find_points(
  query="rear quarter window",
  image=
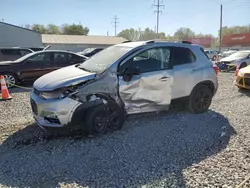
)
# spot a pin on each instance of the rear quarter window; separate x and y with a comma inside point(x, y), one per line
point(202, 50)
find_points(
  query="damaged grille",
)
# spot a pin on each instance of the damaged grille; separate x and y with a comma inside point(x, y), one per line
point(247, 81)
point(33, 106)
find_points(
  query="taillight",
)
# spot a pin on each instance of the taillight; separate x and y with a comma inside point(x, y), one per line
point(216, 69)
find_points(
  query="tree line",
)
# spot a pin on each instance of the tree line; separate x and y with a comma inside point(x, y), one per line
point(66, 29)
point(137, 34)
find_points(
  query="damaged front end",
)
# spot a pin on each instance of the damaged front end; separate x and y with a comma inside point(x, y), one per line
point(68, 106)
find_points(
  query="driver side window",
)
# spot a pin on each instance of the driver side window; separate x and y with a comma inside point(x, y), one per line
point(38, 57)
point(151, 60)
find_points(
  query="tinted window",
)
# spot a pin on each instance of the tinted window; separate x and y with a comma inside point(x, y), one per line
point(40, 57)
point(11, 52)
point(150, 60)
point(25, 52)
point(60, 57)
point(182, 56)
point(75, 58)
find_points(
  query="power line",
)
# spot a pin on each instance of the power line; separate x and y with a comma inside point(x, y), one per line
point(158, 6)
point(115, 22)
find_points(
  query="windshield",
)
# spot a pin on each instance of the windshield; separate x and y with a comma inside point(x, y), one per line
point(102, 60)
point(240, 54)
point(24, 57)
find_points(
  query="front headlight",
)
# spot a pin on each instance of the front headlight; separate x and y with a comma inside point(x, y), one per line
point(58, 94)
point(240, 73)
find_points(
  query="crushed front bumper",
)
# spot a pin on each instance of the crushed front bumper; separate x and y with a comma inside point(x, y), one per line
point(52, 112)
point(243, 82)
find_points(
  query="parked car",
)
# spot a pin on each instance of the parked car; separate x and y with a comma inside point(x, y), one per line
point(212, 54)
point(13, 53)
point(90, 51)
point(243, 78)
point(36, 64)
point(97, 94)
point(240, 59)
point(227, 53)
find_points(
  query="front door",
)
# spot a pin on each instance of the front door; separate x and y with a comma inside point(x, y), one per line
point(151, 89)
point(36, 66)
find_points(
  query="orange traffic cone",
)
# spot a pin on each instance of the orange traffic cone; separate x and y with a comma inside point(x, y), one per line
point(237, 70)
point(4, 90)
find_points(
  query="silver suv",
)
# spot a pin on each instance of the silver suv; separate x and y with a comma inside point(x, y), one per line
point(128, 78)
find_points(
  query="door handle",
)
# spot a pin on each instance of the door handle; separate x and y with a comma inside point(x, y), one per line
point(164, 78)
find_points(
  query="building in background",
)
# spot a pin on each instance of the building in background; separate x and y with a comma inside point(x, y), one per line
point(15, 36)
point(206, 42)
point(77, 43)
point(240, 41)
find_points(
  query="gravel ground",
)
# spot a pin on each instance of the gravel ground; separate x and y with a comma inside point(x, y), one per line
point(177, 149)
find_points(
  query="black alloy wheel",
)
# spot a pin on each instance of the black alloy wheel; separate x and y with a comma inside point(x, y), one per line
point(200, 99)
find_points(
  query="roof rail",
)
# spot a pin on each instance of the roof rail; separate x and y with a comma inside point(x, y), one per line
point(186, 42)
point(126, 41)
point(150, 41)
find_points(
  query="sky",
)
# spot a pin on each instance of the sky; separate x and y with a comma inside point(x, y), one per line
point(201, 16)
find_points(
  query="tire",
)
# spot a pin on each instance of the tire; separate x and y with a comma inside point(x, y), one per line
point(10, 79)
point(200, 99)
point(110, 117)
point(242, 65)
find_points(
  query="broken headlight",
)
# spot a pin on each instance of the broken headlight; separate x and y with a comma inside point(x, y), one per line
point(58, 94)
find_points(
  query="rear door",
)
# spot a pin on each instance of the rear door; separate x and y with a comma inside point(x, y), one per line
point(151, 90)
point(37, 65)
point(184, 66)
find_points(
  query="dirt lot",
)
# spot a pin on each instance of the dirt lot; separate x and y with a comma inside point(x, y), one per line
point(177, 149)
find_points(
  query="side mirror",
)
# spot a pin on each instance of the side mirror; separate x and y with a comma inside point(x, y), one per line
point(130, 72)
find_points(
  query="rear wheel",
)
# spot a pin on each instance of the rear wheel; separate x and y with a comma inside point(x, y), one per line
point(200, 99)
point(10, 79)
point(104, 117)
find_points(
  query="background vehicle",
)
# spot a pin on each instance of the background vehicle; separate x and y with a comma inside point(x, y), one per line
point(129, 78)
point(240, 58)
point(10, 54)
point(212, 54)
point(228, 52)
point(36, 64)
point(90, 51)
point(243, 78)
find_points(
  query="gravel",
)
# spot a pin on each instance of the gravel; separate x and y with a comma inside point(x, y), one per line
point(175, 149)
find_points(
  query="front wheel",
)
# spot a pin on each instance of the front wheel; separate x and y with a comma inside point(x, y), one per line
point(105, 117)
point(200, 99)
point(243, 65)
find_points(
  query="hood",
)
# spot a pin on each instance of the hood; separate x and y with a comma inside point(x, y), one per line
point(6, 62)
point(245, 69)
point(231, 59)
point(63, 77)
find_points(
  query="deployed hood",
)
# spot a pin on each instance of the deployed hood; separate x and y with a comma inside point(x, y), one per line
point(63, 77)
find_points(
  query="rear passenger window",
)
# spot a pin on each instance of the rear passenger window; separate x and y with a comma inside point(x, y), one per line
point(25, 52)
point(181, 56)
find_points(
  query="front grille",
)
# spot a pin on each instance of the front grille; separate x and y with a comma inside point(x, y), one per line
point(247, 81)
point(52, 120)
point(225, 62)
point(33, 106)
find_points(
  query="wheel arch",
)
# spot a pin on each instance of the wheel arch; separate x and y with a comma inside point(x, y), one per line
point(207, 83)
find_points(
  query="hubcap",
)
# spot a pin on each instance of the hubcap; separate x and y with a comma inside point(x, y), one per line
point(10, 80)
point(202, 100)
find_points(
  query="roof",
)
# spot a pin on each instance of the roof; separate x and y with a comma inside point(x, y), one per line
point(80, 39)
point(18, 27)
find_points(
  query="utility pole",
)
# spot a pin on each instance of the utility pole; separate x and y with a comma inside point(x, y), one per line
point(115, 22)
point(158, 11)
point(220, 28)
